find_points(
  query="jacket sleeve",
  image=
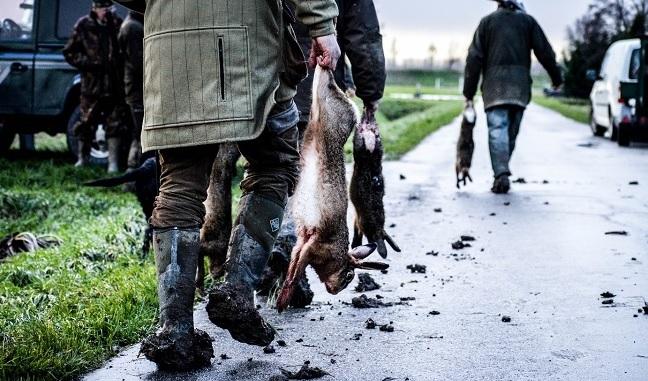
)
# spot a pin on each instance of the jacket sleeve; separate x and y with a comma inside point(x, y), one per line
point(134, 5)
point(360, 39)
point(317, 15)
point(474, 62)
point(545, 53)
point(75, 54)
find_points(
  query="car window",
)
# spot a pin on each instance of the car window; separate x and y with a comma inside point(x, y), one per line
point(605, 64)
point(635, 63)
point(70, 11)
point(17, 20)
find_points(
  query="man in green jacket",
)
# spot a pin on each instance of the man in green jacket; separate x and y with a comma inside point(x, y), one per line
point(218, 71)
point(501, 54)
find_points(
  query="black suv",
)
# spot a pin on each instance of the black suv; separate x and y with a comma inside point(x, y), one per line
point(39, 91)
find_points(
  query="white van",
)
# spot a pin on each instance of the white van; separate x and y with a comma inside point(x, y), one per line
point(621, 64)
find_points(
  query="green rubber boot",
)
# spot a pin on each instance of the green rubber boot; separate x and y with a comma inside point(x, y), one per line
point(177, 346)
point(231, 304)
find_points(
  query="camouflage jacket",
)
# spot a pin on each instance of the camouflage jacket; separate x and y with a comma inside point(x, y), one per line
point(501, 53)
point(131, 42)
point(93, 49)
point(213, 73)
point(358, 32)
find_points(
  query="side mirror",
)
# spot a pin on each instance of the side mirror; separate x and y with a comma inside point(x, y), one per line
point(592, 75)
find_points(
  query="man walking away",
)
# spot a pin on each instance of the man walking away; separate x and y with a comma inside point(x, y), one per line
point(93, 49)
point(501, 53)
point(131, 43)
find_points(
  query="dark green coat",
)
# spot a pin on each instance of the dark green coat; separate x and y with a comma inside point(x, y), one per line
point(501, 53)
point(214, 69)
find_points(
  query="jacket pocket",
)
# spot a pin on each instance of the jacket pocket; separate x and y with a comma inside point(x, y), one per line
point(197, 76)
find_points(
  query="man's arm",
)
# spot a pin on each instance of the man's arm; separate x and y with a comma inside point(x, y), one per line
point(359, 36)
point(474, 63)
point(545, 54)
point(318, 16)
point(134, 5)
point(74, 52)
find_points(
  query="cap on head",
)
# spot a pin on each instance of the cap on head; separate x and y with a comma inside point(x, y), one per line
point(517, 4)
point(101, 3)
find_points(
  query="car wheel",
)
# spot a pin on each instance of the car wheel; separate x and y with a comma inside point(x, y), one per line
point(623, 135)
point(597, 130)
point(98, 150)
point(7, 136)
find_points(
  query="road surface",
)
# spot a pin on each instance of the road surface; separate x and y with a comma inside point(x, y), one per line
point(541, 257)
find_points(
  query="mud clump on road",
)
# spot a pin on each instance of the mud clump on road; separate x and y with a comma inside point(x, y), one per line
point(607, 302)
point(366, 283)
point(468, 238)
point(386, 328)
point(363, 301)
point(416, 268)
point(607, 294)
point(459, 245)
point(618, 232)
point(370, 324)
point(269, 350)
point(633, 183)
point(305, 373)
point(506, 319)
point(520, 180)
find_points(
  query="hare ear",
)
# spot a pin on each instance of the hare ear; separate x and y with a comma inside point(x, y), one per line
point(362, 252)
point(372, 266)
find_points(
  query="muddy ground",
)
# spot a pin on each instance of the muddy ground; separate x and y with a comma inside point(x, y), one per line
point(522, 302)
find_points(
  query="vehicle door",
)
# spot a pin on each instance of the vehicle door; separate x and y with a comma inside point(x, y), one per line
point(17, 57)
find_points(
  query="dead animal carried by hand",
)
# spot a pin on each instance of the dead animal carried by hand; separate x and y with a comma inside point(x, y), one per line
point(466, 145)
point(321, 200)
point(367, 188)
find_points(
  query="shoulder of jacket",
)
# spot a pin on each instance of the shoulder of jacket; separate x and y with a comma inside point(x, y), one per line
point(84, 22)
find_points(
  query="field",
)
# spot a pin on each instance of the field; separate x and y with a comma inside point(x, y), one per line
point(67, 309)
point(576, 109)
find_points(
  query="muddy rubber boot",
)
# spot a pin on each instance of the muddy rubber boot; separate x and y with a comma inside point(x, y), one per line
point(501, 185)
point(177, 346)
point(113, 154)
point(83, 153)
point(231, 303)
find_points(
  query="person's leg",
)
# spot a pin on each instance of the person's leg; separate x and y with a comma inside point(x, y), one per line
point(281, 252)
point(271, 175)
point(135, 151)
point(176, 221)
point(83, 131)
point(117, 123)
point(498, 142)
point(515, 118)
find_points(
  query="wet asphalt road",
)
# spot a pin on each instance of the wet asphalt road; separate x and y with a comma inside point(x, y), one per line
point(541, 256)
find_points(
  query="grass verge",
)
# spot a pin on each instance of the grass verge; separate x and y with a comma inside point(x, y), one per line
point(575, 109)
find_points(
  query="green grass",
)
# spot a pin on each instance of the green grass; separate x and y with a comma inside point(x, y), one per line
point(576, 109)
point(66, 309)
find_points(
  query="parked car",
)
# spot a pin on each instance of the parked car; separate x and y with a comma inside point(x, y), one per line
point(621, 65)
point(39, 90)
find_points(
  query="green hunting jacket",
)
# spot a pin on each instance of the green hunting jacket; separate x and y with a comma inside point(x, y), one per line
point(213, 69)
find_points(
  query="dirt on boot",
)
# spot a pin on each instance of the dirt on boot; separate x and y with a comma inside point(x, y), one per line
point(231, 309)
point(501, 185)
point(173, 353)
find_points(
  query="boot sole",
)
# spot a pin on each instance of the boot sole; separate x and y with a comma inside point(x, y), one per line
point(237, 316)
point(169, 353)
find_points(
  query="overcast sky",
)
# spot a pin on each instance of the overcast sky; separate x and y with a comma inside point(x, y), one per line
point(449, 25)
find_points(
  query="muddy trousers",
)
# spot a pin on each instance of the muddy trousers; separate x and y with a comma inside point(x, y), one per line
point(503, 128)
point(270, 177)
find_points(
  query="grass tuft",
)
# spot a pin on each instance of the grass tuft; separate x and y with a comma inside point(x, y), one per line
point(575, 109)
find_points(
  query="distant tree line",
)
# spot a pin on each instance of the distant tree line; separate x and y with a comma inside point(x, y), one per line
point(605, 22)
